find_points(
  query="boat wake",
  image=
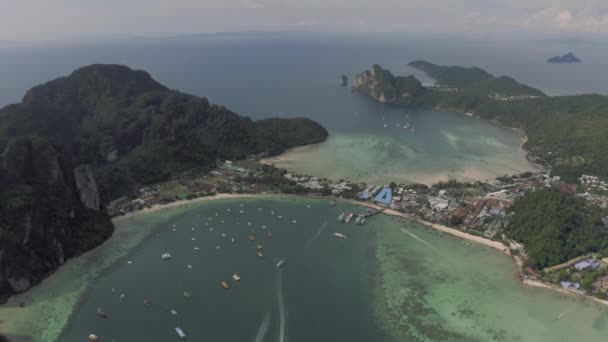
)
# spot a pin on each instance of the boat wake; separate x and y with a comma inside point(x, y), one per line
point(263, 330)
point(416, 237)
point(281, 304)
point(317, 235)
point(562, 315)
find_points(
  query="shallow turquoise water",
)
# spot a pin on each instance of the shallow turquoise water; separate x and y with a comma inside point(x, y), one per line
point(324, 286)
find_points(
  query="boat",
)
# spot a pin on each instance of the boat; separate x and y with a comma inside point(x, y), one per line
point(180, 333)
point(236, 277)
point(341, 236)
point(358, 219)
point(187, 294)
point(93, 337)
point(270, 235)
point(363, 221)
point(260, 254)
point(251, 238)
point(341, 217)
point(293, 221)
point(260, 247)
point(225, 285)
point(233, 240)
point(102, 313)
point(280, 263)
point(349, 217)
point(332, 203)
point(173, 312)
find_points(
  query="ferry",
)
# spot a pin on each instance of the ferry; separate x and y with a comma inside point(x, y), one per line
point(180, 333)
point(341, 217)
point(341, 236)
point(349, 217)
point(280, 263)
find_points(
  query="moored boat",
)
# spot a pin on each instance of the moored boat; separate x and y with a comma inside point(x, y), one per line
point(341, 236)
point(349, 217)
point(180, 333)
point(225, 285)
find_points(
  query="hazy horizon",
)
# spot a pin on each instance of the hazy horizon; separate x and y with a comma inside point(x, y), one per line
point(38, 20)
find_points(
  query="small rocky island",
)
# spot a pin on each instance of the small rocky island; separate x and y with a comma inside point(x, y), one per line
point(564, 59)
point(343, 80)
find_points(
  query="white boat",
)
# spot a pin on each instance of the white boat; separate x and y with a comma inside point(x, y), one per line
point(180, 333)
point(293, 221)
point(166, 256)
point(341, 217)
point(236, 277)
point(349, 217)
point(341, 236)
point(280, 263)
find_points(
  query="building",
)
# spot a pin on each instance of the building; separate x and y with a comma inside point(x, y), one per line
point(385, 196)
point(586, 264)
point(570, 285)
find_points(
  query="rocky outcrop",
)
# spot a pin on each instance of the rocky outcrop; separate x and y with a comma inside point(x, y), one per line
point(87, 188)
point(381, 85)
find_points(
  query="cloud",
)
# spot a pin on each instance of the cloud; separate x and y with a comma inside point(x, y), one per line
point(43, 19)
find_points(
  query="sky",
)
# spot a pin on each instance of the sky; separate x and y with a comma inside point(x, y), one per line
point(73, 19)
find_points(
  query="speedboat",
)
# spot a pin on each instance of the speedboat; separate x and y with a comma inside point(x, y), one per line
point(341, 236)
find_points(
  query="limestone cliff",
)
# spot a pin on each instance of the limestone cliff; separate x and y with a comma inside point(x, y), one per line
point(383, 86)
point(43, 220)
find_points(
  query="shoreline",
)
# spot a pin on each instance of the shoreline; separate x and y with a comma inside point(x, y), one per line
point(103, 251)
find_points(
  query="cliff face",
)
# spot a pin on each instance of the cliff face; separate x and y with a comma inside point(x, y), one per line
point(381, 85)
point(43, 221)
point(79, 141)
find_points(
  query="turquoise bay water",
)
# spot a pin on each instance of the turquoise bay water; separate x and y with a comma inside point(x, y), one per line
point(324, 287)
point(391, 280)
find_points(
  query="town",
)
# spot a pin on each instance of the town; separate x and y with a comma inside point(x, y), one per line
point(480, 208)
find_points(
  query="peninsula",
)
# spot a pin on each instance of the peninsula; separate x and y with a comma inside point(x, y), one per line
point(104, 131)
point(565, 133)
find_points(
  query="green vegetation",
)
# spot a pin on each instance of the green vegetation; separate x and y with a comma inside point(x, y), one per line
point(474, 80)
point(555, 227)
point(133, 130)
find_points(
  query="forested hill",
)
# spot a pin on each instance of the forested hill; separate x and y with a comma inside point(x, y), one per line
point(555, 227)
point(76, 142)
point(475, 80)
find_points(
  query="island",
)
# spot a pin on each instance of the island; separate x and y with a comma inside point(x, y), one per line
point(564, 59)
point(343, 80)
point(105, 131)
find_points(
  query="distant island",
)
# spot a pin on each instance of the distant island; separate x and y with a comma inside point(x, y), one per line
point(75, 143)
point(567, 58)
point(565, 133)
